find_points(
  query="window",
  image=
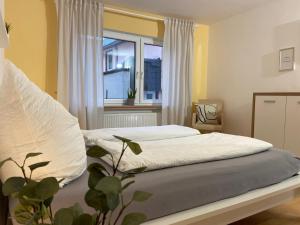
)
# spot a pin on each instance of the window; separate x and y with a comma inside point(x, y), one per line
point(131, 62)
point(119, 67)
point(152, 59)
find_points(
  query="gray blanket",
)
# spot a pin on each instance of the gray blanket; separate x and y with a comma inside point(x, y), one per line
point(181, 188)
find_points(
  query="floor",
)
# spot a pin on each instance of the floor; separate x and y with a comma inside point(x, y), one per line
point(288, 214)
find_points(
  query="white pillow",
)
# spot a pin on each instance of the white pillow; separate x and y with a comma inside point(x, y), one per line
point(32, 121)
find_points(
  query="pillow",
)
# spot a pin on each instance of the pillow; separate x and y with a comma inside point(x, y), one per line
point(206, 114)
point(32, 121)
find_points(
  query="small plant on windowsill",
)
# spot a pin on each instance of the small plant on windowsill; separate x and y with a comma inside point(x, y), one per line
point(131, 96)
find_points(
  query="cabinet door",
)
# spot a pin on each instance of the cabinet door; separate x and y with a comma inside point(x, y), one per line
point(269, 120)
point(292, 126)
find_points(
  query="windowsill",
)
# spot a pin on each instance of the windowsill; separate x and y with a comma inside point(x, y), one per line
point(132, 107)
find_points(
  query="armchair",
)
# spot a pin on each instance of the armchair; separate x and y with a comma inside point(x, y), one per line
point(207, 116)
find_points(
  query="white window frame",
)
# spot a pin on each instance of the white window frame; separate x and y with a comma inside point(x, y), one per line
point(144, 41)
point(136, 40)
point(139, 66)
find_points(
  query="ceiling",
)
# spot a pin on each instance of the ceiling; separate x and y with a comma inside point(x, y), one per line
point(201, 11)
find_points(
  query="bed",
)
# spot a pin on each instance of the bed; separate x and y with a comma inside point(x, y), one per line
point(204, 179)
point(218, 191)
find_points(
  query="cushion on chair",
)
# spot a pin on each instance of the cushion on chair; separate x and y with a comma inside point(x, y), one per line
point(206, 114)
point(32, 121)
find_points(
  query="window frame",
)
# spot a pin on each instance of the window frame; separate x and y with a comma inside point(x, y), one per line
point(139, 65)
point(108, 54)
point(149, 41)
point(130, 38)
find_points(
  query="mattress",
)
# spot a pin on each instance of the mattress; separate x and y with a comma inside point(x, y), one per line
point(185, 187)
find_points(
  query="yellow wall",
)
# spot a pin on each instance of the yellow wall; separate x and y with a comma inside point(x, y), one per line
point(201, 38)
point(133, 25)
point(33, 41)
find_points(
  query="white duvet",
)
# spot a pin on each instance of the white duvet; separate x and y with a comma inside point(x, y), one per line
point(170, 146)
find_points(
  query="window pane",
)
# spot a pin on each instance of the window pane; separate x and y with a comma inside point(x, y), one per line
point(152, 72)
point(118, 67)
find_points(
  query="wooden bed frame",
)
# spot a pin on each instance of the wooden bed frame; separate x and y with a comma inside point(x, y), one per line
point(233, 209)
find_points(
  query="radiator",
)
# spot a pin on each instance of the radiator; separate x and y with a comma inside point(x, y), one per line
point(115, 120)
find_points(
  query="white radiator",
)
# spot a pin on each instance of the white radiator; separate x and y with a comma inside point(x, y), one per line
point(115, 120)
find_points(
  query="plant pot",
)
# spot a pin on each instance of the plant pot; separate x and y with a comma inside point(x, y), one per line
point(130, 101)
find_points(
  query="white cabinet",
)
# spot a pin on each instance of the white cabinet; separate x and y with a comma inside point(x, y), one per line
point(292, 124)
point(276, 119)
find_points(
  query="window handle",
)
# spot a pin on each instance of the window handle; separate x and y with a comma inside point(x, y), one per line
point(142, 75)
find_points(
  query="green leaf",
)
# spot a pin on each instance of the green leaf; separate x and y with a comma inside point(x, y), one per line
point(4, 161)
point(23, 214)
point(122, 138)
point(77, 210)
point(97, 152)
point(95, 215)
point(84, 219)
point(30, 155)
point(135, 147)
point(128, 184)
point(134, 219)
point(96, 174)
point(96, 200)
point(38, 165)
point(113, 200)
point(136, 170)
point(140, 196)
point(64, 217)
point(13, 185)
point(127, 176)
point(46, 188)
point(109, 185)
point(94, 178)
point(96, 167)
point(28, 191)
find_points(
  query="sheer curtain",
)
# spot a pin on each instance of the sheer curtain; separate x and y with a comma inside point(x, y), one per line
point(177, 71)
point(80, 75)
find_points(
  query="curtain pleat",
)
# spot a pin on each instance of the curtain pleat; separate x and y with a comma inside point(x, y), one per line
point(177, 71)
point(80, 75)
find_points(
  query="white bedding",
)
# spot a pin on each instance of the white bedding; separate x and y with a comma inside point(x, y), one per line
point(165, 149)
point(138, 133)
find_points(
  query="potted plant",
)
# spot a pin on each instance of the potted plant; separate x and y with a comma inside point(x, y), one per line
point(131, 96)
point(105, 193)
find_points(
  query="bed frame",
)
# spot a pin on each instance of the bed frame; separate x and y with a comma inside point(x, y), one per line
point(233, 209)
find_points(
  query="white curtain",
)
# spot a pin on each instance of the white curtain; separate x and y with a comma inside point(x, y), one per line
point(80, 72)
point(177, 71)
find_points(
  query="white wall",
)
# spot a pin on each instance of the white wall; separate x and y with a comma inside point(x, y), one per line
point(243, 58)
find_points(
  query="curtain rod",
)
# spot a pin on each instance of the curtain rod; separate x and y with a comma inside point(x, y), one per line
point(129, 13)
